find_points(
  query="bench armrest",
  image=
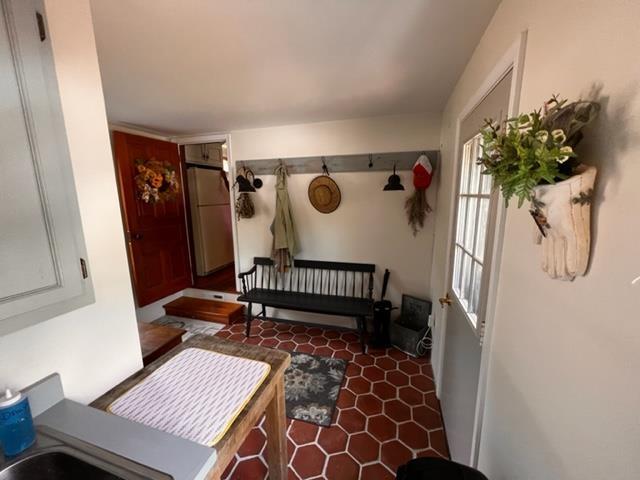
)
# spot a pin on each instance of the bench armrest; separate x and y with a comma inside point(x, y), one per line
point(248, 272)
point(243, 280)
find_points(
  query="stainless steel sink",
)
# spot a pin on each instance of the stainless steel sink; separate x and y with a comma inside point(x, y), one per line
point(55, 465)
point(56, 456)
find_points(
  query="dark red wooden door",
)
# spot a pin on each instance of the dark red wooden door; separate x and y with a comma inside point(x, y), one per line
point(156, 232)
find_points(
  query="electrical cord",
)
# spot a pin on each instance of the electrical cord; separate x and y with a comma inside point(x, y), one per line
point(425, 343)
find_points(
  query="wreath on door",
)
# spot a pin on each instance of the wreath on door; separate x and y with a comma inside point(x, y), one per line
point(156, 181)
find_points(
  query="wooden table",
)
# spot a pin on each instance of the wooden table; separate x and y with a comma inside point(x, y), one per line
point(156, 340)
point(268, 400)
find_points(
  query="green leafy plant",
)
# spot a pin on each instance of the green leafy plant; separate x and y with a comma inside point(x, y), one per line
point(535, 148)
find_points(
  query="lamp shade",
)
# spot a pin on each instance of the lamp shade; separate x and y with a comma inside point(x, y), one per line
point(394, 182)
point(244, 185)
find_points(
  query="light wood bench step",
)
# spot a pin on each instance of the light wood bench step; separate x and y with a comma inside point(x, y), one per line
point(204, 309)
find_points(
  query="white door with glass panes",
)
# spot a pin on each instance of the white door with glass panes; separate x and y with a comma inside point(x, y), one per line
point(471, 247)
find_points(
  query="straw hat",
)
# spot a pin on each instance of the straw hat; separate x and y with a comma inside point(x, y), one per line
point(324, 194)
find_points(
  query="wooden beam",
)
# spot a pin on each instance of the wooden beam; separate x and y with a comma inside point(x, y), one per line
point(341, 163)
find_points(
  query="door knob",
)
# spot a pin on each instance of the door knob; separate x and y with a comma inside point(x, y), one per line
point(446, 300)
point(136, 236)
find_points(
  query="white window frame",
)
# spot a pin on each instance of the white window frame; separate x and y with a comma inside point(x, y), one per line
point(473, 189)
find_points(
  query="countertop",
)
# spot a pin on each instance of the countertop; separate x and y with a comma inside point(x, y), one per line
point(180, 458)
point(250, 414)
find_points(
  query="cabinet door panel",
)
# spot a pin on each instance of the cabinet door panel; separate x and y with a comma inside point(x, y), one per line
point(41, 242)
point(26, 255)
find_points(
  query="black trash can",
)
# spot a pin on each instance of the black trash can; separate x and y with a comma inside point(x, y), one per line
point(381, 319)
point(432, 468)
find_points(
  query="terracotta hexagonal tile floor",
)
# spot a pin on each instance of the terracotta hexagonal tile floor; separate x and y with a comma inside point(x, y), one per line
point(369, 404)
point(397, 411)
point(394, 453)
point(352, 420)
point(332, 440)
point(308, 461)
point(387, 411)
point(363, 448)
point(342, 467)
point(382, 428)
point(376, 471)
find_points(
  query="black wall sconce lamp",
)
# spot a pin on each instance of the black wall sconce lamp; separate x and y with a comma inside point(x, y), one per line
point(394, 182)
point(245, 185)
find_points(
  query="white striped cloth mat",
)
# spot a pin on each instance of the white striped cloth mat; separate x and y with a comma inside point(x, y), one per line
point(195, 395)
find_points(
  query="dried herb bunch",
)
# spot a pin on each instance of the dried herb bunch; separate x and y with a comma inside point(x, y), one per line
point(535, 148)
point(244, 206)
point(417, 208)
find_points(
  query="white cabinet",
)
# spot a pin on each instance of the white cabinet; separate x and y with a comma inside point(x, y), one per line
point(204, 154)
point(43, 261)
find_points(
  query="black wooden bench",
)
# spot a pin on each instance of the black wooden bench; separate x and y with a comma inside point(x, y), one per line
point(333, 288)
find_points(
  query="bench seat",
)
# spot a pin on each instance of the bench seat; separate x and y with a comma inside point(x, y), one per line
point(329, 288)
point(310, 302)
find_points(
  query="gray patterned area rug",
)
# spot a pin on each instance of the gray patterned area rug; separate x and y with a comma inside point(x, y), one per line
point(312, 384)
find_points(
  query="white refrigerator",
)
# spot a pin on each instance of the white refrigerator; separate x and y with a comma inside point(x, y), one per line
point(210, 218)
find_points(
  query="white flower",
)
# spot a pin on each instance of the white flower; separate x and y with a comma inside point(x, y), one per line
point(542, 136)
point(565, 149)
point(558, 135)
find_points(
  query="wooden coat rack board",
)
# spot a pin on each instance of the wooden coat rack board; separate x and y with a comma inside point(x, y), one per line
point(342, 163)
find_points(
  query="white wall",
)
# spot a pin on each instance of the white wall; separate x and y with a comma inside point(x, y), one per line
point(97, 346)
point(369, 225)
point(563, 389)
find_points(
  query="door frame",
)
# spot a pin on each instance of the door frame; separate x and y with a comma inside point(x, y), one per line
point(219, 137)
point(512, 60)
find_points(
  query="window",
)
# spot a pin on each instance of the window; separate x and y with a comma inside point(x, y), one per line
point(473, 218)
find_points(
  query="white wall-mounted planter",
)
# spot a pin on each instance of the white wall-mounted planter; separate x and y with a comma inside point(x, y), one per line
point(563, 216)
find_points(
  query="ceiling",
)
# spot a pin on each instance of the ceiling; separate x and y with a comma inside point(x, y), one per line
point(195, 66)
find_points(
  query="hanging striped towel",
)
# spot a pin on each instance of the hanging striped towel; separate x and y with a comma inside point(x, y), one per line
point(195, 395)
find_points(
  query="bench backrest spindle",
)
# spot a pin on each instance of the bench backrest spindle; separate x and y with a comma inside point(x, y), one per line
point(353, 289)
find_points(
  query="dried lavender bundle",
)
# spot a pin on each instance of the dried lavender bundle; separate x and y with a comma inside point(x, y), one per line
point(417, 208)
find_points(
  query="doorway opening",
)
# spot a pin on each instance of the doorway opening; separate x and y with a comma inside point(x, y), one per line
point(209, 215)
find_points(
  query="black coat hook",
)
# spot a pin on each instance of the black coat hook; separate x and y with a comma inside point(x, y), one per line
point(325, 170)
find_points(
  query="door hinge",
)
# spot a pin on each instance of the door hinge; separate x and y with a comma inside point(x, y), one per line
point(83, 267)
point(41, 30)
